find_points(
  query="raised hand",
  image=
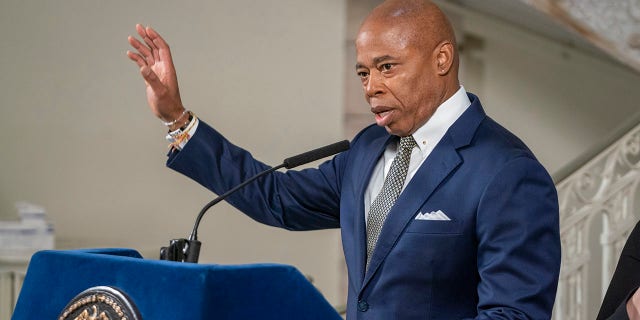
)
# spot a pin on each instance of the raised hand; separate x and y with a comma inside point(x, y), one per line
point(156, 67)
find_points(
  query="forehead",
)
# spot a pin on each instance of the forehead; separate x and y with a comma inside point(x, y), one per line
point(380, 39)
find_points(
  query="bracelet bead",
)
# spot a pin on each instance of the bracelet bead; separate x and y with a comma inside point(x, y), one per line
point(170, 123)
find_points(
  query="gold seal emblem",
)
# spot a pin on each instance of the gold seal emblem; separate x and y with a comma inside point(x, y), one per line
point(100, 303)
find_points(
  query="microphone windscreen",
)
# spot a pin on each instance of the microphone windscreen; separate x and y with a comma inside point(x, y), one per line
point(316, 154)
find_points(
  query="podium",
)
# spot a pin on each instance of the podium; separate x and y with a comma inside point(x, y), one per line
point(169, 290)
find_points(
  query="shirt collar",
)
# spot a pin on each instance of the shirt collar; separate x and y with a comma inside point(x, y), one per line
point(428, 136)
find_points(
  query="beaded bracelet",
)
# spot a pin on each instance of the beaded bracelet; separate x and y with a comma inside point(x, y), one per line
point(170, 123)
point(181, 135)
point(186, 124)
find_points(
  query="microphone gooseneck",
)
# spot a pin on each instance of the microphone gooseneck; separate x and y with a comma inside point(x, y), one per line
point(189, 250)
point(194, 233)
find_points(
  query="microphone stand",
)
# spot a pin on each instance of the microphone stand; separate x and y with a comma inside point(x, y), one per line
point(188, 250)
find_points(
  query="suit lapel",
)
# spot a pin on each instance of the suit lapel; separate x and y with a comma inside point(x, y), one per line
point(435, 168)
point(364, 176)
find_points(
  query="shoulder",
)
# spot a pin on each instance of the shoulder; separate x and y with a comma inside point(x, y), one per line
point(474, 130)
point(493, 136)
point(369, 136)
point(632, 246)
point(370, 132)
point(488, 148)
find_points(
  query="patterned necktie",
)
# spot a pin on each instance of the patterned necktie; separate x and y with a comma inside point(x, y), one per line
point(390, 191)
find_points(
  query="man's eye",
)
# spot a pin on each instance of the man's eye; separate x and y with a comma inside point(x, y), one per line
point(386, 66)
point(362, 74)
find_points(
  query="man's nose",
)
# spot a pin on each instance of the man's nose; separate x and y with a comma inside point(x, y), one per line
point(374, 86)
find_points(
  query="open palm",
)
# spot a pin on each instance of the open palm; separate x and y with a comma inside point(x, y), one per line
point(156, 67)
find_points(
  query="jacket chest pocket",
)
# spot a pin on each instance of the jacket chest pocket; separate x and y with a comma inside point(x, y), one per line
point(435, 227)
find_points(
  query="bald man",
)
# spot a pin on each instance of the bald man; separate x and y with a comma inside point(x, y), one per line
point(444, 214)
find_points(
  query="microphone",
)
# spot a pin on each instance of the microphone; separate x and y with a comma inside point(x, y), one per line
point(188, 250)
point(315, 154)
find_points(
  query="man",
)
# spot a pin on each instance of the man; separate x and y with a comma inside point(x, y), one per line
point(443, 213)
point(621, 302)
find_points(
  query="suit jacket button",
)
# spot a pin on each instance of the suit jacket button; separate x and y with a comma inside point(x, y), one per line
point(363, 306)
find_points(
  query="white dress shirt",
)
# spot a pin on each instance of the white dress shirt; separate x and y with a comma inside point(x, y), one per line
point(427, 137)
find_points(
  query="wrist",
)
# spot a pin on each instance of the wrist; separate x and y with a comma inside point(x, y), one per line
point(179, 120)
point(179, 137)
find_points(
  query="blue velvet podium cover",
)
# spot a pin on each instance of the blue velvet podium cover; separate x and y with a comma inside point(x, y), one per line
point(170, 290)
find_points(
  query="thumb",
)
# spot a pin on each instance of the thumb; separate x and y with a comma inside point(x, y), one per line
point(151, 78)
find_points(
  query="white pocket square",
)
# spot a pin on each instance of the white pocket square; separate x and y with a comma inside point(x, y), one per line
point(433, 215)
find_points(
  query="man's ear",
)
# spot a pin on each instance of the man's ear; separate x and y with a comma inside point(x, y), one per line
point(444, 57)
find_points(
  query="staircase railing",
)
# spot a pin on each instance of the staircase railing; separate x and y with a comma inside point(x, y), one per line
point(599, 206)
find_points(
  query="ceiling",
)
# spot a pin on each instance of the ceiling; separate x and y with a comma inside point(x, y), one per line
point(518, 13)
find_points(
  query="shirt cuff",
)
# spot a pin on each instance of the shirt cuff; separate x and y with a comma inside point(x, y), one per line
point(177, 135)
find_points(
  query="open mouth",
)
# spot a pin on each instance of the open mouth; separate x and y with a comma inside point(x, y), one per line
point(384, 117)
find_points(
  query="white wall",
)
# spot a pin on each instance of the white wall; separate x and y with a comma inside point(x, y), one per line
point(561, 101)
point(78, 138)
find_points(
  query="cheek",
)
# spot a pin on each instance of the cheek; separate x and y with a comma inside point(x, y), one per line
point(404, 89)
point(366, 96)
point(427, 90)
point(421, 98)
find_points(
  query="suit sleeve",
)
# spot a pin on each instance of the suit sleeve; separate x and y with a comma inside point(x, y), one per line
point(295, 200)
point(518, 243)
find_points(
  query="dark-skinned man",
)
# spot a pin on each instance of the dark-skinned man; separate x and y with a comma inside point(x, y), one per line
point(444, 214)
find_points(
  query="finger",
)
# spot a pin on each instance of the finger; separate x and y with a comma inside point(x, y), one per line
point(142, 49)
point(154, 49)
point(163, 49)
point(139, 60)
point(141, 31)
point(160, 43)
point(157, 38)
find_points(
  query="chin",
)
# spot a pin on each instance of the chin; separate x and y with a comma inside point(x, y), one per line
point(394, 132)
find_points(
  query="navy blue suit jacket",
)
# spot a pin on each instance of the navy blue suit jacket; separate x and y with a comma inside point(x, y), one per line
point(497, 258)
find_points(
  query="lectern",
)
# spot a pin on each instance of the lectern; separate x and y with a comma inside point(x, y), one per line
point(169, 290)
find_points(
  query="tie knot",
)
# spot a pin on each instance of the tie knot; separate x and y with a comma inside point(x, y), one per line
point(407, 143)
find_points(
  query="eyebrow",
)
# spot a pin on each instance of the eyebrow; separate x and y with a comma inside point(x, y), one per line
point(376, 61)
